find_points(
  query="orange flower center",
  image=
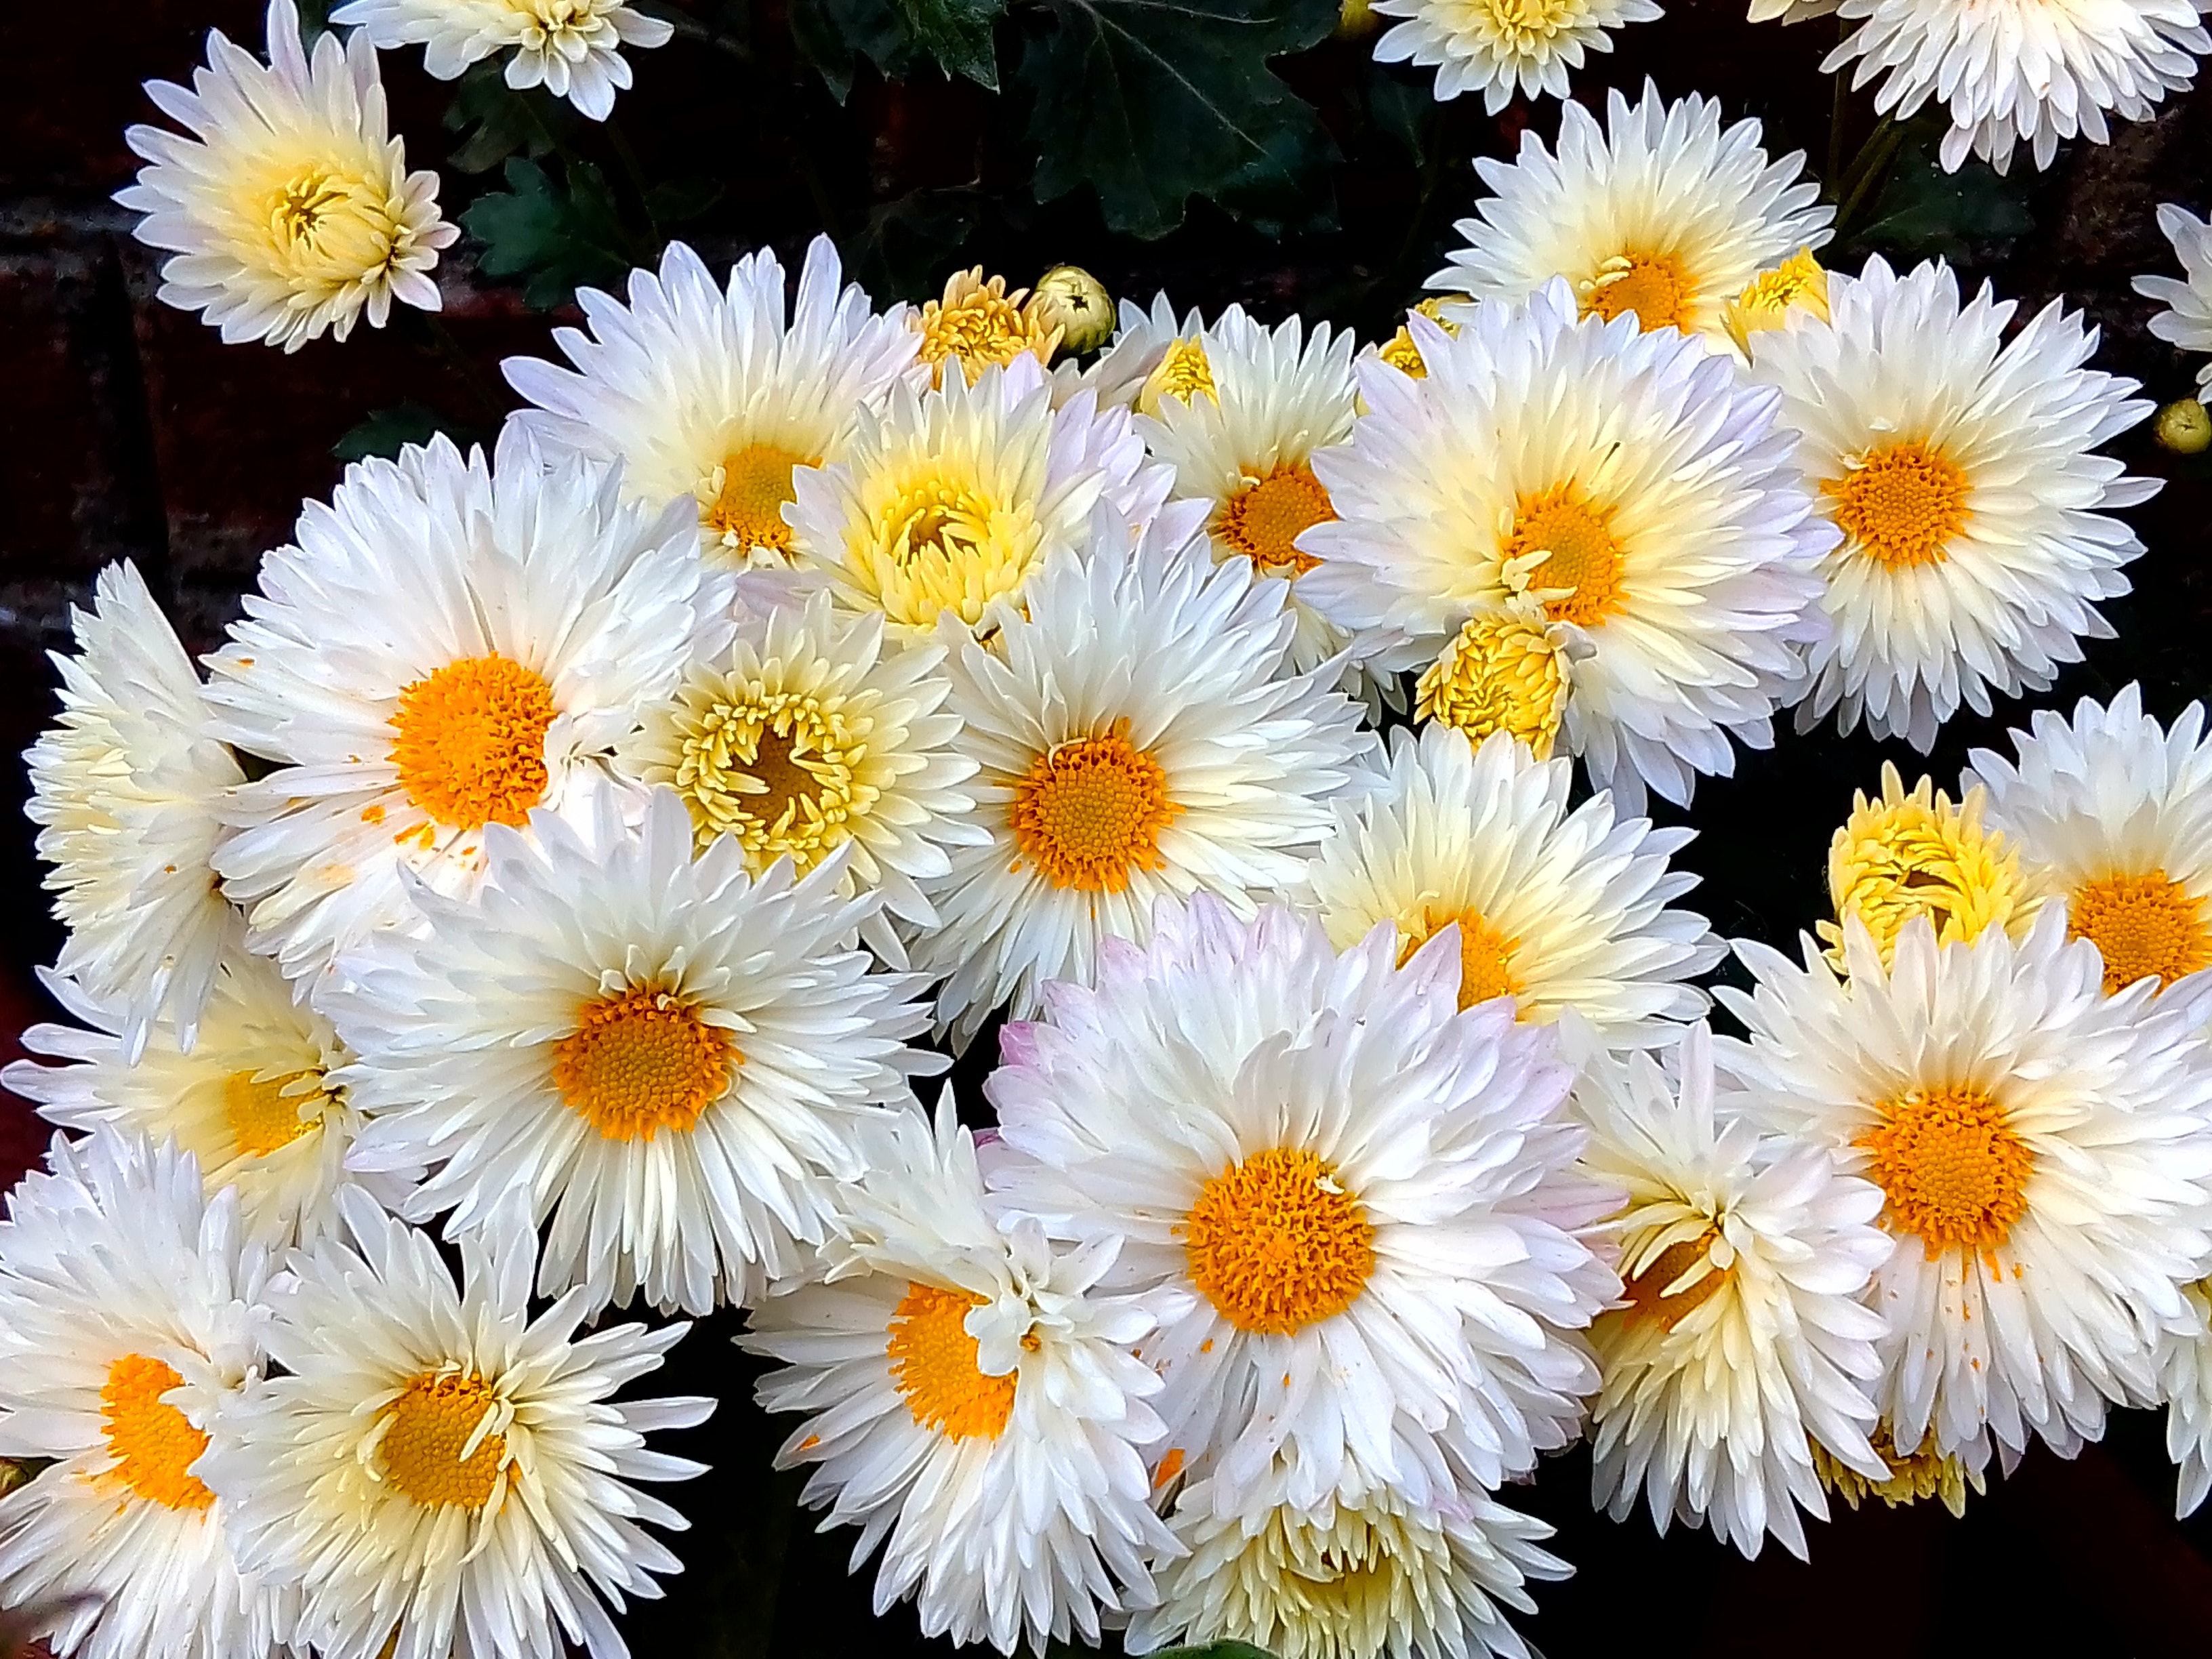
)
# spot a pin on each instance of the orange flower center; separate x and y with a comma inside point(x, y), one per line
point(438, 1446)
point(1485, 955)
point(2144, 927)
point(262, 1117)
point(751, 488)
point(1585, 559)
point(471, 744)
point(934, 1369)
point(1648, 1295)
point(1277, 1244)
point(1655, 286)
point(155, 1445)
point(1901, 506)
point(641, 1061)
point(1090, 810)
point(1954, 1171)
point(1265, 518)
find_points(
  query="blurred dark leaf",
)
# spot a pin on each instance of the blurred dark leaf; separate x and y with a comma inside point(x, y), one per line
point(497, 120)
point(1924, 212)
point(681, 199)
point(957, 34)
point(901, 251)
point(1399, 110)
point(557, 239)
point(831, 32)
point(1151, 102)
point(387, 431)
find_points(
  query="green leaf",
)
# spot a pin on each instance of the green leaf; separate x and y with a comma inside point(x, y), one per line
point(1401, 110)
point(387, 431)
point(681, 199)
point(956, 34)
point(1925, 211)
point(497, 120)
point(829, 34)
point(557, 239)
point(901, 251)
point(1151, 102)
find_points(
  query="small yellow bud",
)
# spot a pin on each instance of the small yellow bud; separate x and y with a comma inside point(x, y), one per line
point(1400, 351)
point(1072, 300)
point(1184, 372)
point(2184, 427)
point(1356, 18)
point(1798, 283)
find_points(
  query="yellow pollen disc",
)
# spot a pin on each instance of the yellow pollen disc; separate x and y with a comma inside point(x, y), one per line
point(1091, 811)
point(1585, 559)
point(1922, 1474)
point(1276, 1244)
point(155, 1445)
point(775, 769)
point(1526, 25)
point(744, 497)
point(1264, 520)
point(1502, 673)
point(1655, 286)
point(1486, 956)
point(323, 227)
point(426, 1449)
point(643, 1062)
point(262, 1117)
point(977, 323)
point(933, 1366)
point(1648, 1297)
point(472, 744)
point(1902, 505)
point(937, 537)
point(1912, 855)
point(1953, 1171)
point(2144, 927)
point(1184, 371)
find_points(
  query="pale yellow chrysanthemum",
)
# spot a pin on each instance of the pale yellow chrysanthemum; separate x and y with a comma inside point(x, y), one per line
point(1507, 670)
point(1402, 353)
point(1799, 284)
point(572, 48)
point(978, 324)
point(1499, 48)
point(1913, 1476)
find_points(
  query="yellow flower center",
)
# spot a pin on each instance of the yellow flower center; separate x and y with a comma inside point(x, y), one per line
point(640, 1062)
point(2144, 927)
point(775, 769)
point(743, 500)
point(326, 227)
point(1921, 1474)
point(1919, 855)
point(1647, 1291)
point(1585, 559)
point(1502, 673)
point(155, 1445)
point(472, 744)
point(263, 1116)
point(933, 1366)
point(1798, 283)
point(978, 324)
point(1264, 520)
point(1485, 955)
point(1184, 372)
point(1276, 1244)
point(1655, 286)
point(1090, 810)
point(1952, 1170)
point(1400, 351)
point(1902, 505)
point(939, 542)
point(1524, 25)
point(439, 1444)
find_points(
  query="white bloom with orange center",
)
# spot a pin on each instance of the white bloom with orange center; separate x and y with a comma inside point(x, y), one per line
point(291, 211)
point(2111, 814)
point(435, 1474)
point(1961, 467)
point(129, 1315)
point(2186, 321)
point(1501, 47)
point(572, 48)
point(672, 1058)
point(126, 788)
point(1660, 214)
point(718, 394)
point(1627, 482)
point(1555, 909)
point(1353, 1204)
point(972, 1402)
point(1141, 736)
point(449, 644)
point(2045, 1153)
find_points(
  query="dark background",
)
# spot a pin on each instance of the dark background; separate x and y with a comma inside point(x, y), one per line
point(128, 430)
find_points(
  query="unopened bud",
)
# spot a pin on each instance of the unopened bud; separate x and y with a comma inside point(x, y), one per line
point(1072, 300)
point(1356, 18)
point(2184, 427)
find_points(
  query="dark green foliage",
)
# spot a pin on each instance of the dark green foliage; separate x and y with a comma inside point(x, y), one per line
point(496, 121)
point(1925, 212)
point(956, 34)
point(387, 431)
point(558, 238)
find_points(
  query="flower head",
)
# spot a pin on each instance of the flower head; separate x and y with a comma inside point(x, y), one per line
point(976, 325)
point(1499, 47)
point(572, 48)
point(2186, 320)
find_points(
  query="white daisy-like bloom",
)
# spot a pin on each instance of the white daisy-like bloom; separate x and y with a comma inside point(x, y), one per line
point(1141, 736)
point(2044, 1152)
point(951, 500)
point(255, 1101)
point(2026, 72)
point(125, 789)
point(1362, 1572)
point(1502, 47)
point(672, 1058)
point(572, 48)
point(1353, 1205)
point(2184, 1382)
point(449, 644)
point(1744, 1338)
point(129, 1315)
point(2111, 814)
point(718, 394)
point(1555, 908)
point(1961, 467)
point(1628, 482)
point(972, 1398)
point(1660, 214)
point(1243, 441)
point(290, 210)
point(2187, 319)
point(437, 1475)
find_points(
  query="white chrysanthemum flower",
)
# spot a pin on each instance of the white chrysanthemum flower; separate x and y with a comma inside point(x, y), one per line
point(1140, 736)
point(1557, 910)
point(1745, 1339)
point(1357, 1575)
point(449, 644)
point(2111, 814)
point(972, 1398)
point(1502, 47)
point(1242, 441)
point(1353, 1205)
point(2184, 1382)
point(1630, 482)
point(2187, 319)
point(572, 48)
point(437, 1475)
point(254, 1100)
point(1961, 467)
point(125, 787)
point(129, 1313)
point(291, 212)
point(2045, 1151)
point(718, 395)
point(2027, 72)
point(672, 1058)
point(1788, 11)
point(1661, 214)
point(951, 499)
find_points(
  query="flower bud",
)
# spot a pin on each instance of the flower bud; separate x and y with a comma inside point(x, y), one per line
point(2184, 427)
point(1072, 300)
point(1798, 283)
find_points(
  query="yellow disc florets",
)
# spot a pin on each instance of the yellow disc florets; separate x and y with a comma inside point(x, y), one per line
point(977, 323)
point(1914, 1475)
point(1504, 671)
point(1911, 855)
point(1183, 371)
